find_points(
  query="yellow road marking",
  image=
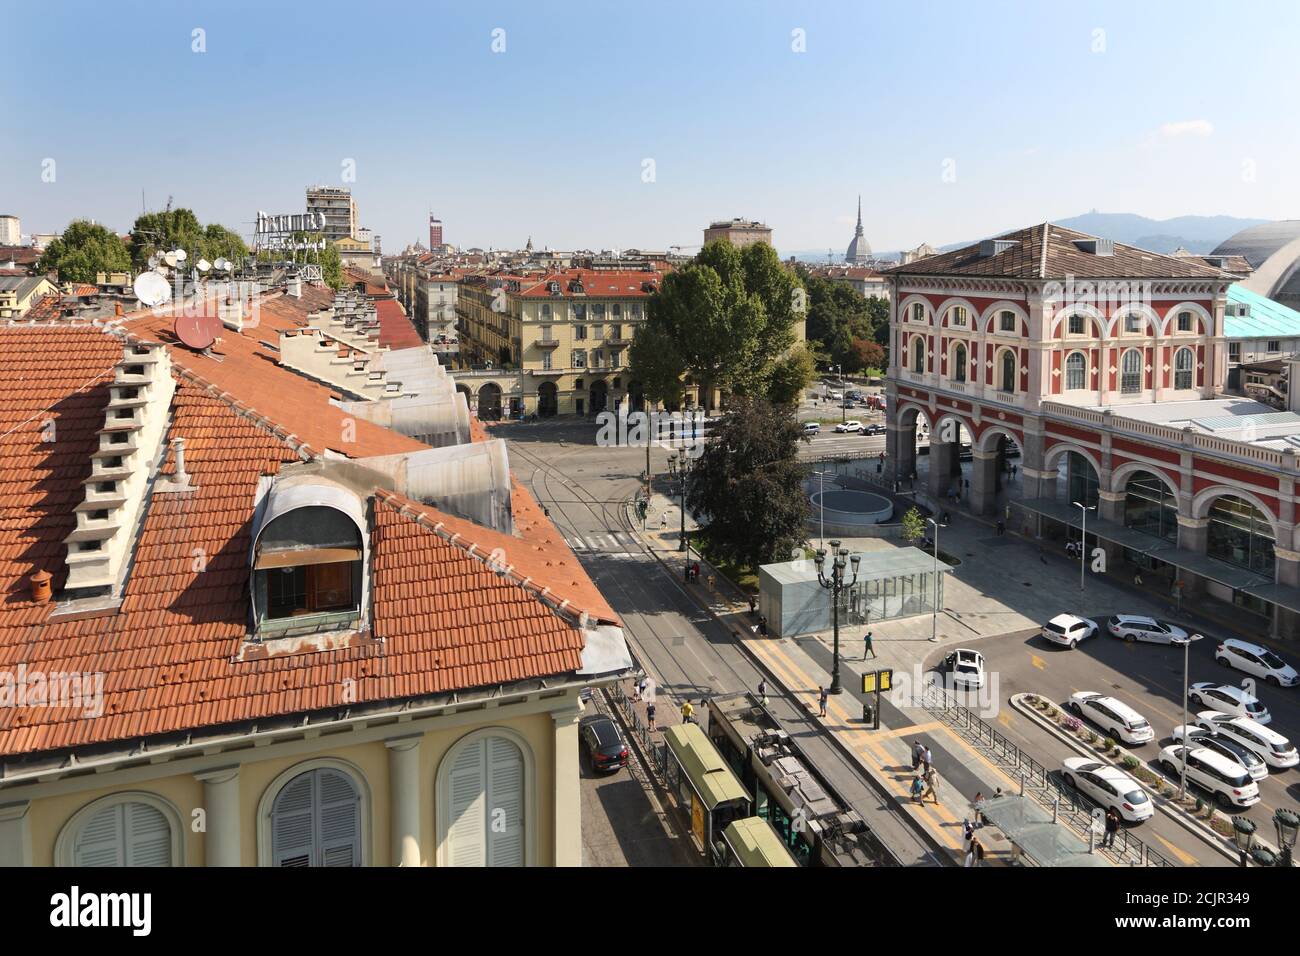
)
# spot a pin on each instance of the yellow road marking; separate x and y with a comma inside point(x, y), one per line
point(1184, 857)
point(904, 731)
point(1038, 662)
point(1004, 718)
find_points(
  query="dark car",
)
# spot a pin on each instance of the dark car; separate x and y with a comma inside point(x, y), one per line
point(602, 742)
point(875, 428)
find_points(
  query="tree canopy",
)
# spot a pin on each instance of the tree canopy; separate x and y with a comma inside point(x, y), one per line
point(180, 229)
point(727, 320)
point(84, 249)
point(748, 484)
point(841, 322)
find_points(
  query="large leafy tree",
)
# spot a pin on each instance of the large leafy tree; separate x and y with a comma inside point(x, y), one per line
point(748, 483)
point(84, 249)
point(180, 229)
point(838, 316)
point(727, 320)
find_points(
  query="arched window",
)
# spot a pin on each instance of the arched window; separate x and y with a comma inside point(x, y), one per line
point(918, 312)
point(1130, 379)
point(918, 355)
point(1183, 368)
point(1076, 325)
point(1134, 324)
point(959, 363)
point(1007, 376)
point(122, 832)
point(1076, 371)
point(1150, 506)
point(482, 796)
point(316, 820)
point(1240, 534)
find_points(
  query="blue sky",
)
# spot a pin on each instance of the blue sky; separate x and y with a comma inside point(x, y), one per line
point(1175, 108)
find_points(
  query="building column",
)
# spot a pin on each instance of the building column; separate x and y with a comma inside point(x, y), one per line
point(15, 834)
point(1193, 535)
point(567, 794)
point(943, 455)
point(404, 792)
point(901, 451)
point(984, 482)
point(222, 840)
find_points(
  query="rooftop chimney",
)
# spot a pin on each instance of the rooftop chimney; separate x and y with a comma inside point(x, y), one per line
point(130, 443)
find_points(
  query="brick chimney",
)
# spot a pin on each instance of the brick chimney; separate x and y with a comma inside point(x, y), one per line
point(130, 445)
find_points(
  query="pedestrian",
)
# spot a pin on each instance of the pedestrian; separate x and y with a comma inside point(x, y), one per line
point(966, 484)
point(821, 700)
point(932, 784)
point(688, 712)
point(762, 625)
point(967, 834)
point(866, 647)
point(712, 579)
point(978, 804)
point(762, 691)
point(650, 715)
point(1112, 827)
point(663, 521)
point(1137, 578)
point(695, 570)
point(1013, 472)
point(927, 758)
point(918, 751)
point(640, 687)
point(918, 788)
point(975, 855)
point(1002, 528)
point(753, 605)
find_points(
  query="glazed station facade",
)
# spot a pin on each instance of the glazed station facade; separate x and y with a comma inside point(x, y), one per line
point(1095, 370)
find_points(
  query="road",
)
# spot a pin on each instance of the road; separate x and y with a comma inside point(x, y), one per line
point(688, 652)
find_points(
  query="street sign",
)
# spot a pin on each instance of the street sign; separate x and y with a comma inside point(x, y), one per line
point(873, 682)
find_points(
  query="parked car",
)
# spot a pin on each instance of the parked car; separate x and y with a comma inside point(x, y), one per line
point(1068, 630)
point(874, 428)
point(966, 668)
point(1257, 661)
point(1275, 749)
point(1250, 761)
point(1109, 786)
point(603, 744)
point(1227, 699)
point(1139, 627)
point(811, 428)
point(1226, 779)
point(1117, 718)
point(852, 425)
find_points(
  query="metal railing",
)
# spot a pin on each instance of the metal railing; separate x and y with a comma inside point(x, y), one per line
point(1067, 805)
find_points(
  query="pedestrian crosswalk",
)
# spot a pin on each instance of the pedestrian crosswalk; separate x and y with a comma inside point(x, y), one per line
point(608, 542)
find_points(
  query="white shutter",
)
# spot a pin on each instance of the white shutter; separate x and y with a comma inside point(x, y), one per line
point(148, 836)
point(505, 806)
point(291, 823)
point(338, 819)
point(100, 842)
point(124, 834)
point(466, 845)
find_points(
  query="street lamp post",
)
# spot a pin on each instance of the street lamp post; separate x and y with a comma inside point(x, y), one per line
point(1083, 543)
point(834, 582)
point(680, 470)
point(1187, 744)
point(1287, 824)
point(1243, 832)
point(934, 610)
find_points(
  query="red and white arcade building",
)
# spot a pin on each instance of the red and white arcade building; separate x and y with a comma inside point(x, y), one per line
point(1095, 370)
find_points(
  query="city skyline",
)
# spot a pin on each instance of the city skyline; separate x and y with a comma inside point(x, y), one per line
point(673, 127)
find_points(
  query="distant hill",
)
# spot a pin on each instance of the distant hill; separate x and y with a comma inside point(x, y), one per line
point(1196, 233)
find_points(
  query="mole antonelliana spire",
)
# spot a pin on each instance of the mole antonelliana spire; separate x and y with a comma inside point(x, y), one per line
point(859, 251)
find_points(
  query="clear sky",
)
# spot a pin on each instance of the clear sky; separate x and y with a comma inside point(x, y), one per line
point(952, 119)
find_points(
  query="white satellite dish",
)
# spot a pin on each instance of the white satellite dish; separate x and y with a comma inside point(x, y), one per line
point(170, 259)
point(151, 289)
point(221, 264)
point(180, 255)
point(153, 262)
point(203, 265)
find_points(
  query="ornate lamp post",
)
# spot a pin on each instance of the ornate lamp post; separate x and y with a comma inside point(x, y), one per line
point(1243, 834)
point(1287, 823)
point(680, 469)
point(835, 583)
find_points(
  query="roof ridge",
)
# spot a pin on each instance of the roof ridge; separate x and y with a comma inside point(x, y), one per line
point(1042, 262)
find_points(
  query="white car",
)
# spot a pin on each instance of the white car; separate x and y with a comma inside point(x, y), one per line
point(852, 425)
point(1276, 750)
point(811, 428)
point(1249, 761)
point(966, 667)
point(1117, 718)
point(1109, 786)
point(1068, 630)
point(1227, 699)
point(1138, 627)
point(1257, 661)
point(1212, 771)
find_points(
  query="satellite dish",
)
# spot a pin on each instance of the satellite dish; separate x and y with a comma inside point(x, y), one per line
point(221, 264)
point(153, 262)
point(203, 265)
point(170, 259)
point(198, 331)
point(151, 289)
point(180, 255)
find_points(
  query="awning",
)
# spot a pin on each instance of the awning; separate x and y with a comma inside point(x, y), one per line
point(1030, 827)
point(1283, 595)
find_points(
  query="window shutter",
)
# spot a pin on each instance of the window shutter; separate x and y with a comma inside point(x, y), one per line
point(125, 834)
point(465, 836)
point(149, 837)
point(100, 841)
point(291, 823)
point(338, 815)
point(505, 794)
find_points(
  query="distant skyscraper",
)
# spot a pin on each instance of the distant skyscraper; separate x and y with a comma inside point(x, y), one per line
point(336, 207)
point(859, 252)
point(11, 231)
point(435, 232)
point(738, 232)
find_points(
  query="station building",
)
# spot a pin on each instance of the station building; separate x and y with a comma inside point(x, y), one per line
point(1096, 370)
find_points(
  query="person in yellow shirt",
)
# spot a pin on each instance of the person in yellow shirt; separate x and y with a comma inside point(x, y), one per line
point(688, 712)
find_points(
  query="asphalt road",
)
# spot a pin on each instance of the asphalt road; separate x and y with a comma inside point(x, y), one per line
point(1147, 677)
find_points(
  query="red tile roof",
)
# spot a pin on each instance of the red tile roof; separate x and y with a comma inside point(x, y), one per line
point(442, 619)
point(47, 307)
point(395, 329)
point(595, 282)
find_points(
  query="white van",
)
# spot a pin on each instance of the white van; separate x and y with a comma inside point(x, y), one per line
point(811, 428)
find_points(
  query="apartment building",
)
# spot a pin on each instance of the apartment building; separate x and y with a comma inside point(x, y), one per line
point(738, 232)
point(337, 208)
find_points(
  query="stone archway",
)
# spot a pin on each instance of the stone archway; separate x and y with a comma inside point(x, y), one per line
point(548, 402)
point(489, 402)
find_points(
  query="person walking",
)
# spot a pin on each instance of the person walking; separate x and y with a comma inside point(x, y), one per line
point(1002, 528)
point(918, 753)
point(866, 647)
point(762, 625)
point(927, 758)
point(650, 715)
point(932, 783)
point(762, 691)
point(967, 834)
point(688, 713)
point(1112, 827)
point(821, 701)
point(978, 804)
point(753, 605)
point(640, 687)
point(975, 855)
point(1137, 578)
point(918, 788)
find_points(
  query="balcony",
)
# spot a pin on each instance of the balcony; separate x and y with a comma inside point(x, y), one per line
point(546, 343)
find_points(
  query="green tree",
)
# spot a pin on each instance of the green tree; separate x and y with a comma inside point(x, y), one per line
point(864, 354)
point(84, 249)
point(180, 229)
point(913, 524)
point(749, 484)
point(838, 316)
point(727, 319)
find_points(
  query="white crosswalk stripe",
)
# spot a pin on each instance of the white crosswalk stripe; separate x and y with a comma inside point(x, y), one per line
point(610, 542)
